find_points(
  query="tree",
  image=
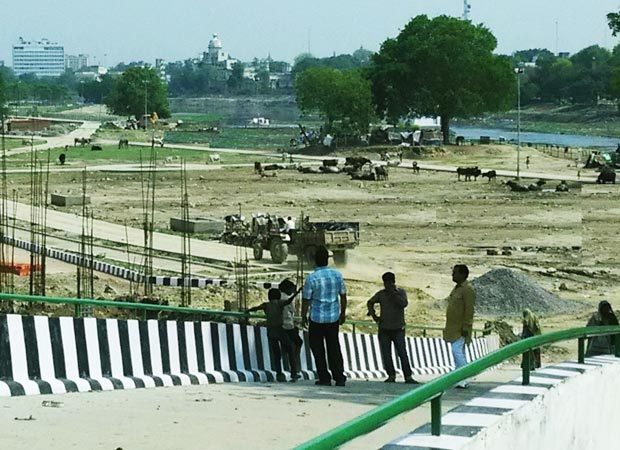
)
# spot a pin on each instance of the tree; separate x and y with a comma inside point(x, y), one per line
point(337, 96)
point(128, 95)
point(441, 67)
point(613, 20)
point(236, 77)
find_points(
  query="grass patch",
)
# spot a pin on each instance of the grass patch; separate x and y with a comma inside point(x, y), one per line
point(110, 154)
point(10, 143)
point(255, 138)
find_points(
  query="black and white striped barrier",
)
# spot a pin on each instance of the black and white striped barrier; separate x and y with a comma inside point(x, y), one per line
point(466, 422)
point(126, 274)
point(42, 355)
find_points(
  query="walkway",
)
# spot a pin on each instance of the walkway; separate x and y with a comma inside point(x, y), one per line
point(222, 416)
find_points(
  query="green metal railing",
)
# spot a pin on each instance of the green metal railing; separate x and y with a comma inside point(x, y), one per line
point(434, 390)
point(79, 303)
point(423, 328)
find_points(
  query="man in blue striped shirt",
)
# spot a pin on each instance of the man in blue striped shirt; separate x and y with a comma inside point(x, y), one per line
point(325, 295)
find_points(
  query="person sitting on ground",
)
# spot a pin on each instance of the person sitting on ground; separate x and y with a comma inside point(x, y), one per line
point(288, 288)
point(278, 339)
point(531, 327)
point(392, 301)
point(602, 345)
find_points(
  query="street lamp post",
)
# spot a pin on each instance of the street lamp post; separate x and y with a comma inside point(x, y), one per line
point(519, 71)
point(146, 124)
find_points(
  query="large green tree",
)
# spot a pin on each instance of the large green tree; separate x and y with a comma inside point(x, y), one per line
point(337, 96)
point(440, 67)
point(135, 86)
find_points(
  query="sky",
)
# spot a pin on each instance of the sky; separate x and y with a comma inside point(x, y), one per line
point(112, 31)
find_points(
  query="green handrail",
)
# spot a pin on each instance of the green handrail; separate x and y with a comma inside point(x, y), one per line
point(78, 302)
point(372, 323)
point(433, 390)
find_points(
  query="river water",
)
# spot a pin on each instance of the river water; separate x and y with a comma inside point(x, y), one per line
point(563, 140)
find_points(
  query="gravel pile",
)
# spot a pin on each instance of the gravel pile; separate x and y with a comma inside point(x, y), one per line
point(507, 292)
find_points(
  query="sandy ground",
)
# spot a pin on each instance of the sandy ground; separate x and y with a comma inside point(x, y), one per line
point(415, 225)
point(223, 416)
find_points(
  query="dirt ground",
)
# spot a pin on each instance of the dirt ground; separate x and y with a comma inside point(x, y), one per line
point(415, 225)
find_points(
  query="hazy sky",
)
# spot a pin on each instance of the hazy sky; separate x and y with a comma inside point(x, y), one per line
point(131, 30)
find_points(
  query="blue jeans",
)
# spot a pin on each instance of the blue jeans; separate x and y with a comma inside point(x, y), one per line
point(458, 352)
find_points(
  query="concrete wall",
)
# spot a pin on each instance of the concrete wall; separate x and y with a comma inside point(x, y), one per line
point(578, 414)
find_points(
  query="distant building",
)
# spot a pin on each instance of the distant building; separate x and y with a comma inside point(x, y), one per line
point(43, 58)
point(564, 55)
point(91, 73)
point(216, 56)
point(160, 68)
point(75, 63)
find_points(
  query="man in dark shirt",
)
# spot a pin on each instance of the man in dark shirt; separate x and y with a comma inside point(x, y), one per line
point(393, 301)
point(278, 338)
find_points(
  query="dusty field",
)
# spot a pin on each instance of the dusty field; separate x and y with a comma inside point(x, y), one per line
point(415, 225)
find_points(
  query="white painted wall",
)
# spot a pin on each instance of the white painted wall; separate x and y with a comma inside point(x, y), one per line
point(582, 413)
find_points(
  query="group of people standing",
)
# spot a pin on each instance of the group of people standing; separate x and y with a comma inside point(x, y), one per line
point(324, 307)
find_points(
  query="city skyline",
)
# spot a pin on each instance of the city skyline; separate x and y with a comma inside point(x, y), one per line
point(107, 32)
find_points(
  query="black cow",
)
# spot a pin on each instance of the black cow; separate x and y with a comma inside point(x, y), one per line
point(123, 143)
point(491, 175)
point(606, 176)
point(468, 173)
point(96, 147)
point(381, 173)
point(356, 161)
point(258, 167)
point(62, 158)
point(330, 162)
point(416, 168)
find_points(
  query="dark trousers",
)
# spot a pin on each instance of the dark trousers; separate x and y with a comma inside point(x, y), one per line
point(386, 337)
point(296, 342)
point(279, 343)
point(322, 335)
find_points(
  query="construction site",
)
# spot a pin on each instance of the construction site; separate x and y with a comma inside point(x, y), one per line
point(98, 225)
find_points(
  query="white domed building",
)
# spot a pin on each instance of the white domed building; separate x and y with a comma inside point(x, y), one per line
point(216, 56)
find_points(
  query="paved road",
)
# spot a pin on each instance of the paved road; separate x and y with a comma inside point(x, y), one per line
point(222, 416)
point(86, 130)
point(72, 223)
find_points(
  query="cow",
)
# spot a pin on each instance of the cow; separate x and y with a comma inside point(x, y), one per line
point(364, 176)
point(468, 172)
point(563, 187)
point(516, 187)
point(96, 147)
point(491, 175)
point(308, 169)
point(393, 163)
point(273, 167)
point(214, 158)
point(381, 173)
point(258, 167)
point(123, 143)
point(62, 158)
point(415, 167)
point(81, 141)
point(329, 169)
point(356, 161)
point(265, 175)
point(330, 162)
point(158, 141)
point(606, 176)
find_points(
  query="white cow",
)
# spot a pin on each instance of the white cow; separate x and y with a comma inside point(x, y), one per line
point(214, 158)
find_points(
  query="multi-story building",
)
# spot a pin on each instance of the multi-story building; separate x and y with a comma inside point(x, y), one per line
point(75, 63)
point(43, 58)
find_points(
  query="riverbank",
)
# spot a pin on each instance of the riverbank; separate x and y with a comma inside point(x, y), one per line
point(599, 120)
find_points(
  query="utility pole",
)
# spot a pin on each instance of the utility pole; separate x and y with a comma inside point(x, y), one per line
point(519, 71)
point(466, 9)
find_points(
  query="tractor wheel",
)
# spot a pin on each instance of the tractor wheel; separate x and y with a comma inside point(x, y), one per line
point(279, 251)
point(340, 258)
point(257, 248)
